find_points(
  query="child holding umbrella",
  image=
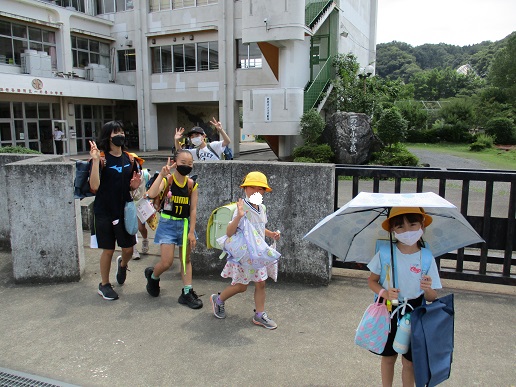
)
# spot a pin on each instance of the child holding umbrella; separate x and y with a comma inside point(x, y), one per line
point(405, 277)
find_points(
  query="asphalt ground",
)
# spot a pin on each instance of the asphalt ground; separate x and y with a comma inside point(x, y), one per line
point(68, 334)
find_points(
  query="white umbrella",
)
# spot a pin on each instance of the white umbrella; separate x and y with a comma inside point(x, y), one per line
point(350, 232)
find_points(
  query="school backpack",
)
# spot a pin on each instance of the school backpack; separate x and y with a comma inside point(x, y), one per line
point(227, 154)
point(218, 223)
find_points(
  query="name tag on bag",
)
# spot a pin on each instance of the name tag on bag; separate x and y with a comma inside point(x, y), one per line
point(144, 209)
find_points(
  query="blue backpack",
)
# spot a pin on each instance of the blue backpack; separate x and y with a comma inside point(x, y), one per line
point(384, 247)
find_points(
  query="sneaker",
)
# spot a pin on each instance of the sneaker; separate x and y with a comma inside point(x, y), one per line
point(152, 284)
point(145, 246)
point(190, 299)
point(121, 272)
point(218, 310)
point(136, 254)
point(264, 321)
point(107, 292)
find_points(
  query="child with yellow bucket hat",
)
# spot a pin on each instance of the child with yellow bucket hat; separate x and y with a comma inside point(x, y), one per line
point(416, 276)
point(247, 232)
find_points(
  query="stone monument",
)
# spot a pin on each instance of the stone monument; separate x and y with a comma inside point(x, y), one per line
point(351, 138)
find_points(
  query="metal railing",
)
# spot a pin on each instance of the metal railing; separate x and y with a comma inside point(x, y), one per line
point(314, 9)
point(315, 90)
point(486, 198)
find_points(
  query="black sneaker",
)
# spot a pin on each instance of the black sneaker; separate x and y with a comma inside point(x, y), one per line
point(152, 284)
point(107, 292)
point(190, 299)
point(121, 272)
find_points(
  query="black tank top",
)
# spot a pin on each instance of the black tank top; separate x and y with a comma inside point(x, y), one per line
point(177, 202)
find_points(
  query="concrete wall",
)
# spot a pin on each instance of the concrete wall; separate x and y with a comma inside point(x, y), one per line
point(45, 220)
point(302, 195)
point(5, 226)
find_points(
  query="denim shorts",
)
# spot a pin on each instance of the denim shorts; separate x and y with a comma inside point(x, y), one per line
point(170, 232)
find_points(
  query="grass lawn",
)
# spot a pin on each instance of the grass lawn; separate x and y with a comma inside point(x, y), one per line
point(495, 158)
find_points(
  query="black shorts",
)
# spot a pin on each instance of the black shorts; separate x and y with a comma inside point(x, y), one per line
point(389, 351)
point(107, 233)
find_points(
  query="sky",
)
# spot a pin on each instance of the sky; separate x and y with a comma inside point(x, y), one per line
point(457, 22)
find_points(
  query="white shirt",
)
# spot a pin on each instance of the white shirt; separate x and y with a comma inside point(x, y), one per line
point(58, 135)
point(206, 155)
point(409, 274)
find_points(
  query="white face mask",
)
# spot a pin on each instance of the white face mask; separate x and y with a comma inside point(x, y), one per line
point(409, 238)
point(196, 141)
point(256, 198)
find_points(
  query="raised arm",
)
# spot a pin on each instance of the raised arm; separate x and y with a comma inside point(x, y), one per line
point(218, 126)
point(177, 137)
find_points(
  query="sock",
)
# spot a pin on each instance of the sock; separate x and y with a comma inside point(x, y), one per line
point(259, 314)
point(187, 289)
point(154, 277)
point(219, 301)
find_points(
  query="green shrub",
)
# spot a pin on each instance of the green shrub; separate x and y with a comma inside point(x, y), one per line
point(503, 130)
point(397, 155)
point(391, 127)
point(319, 153)
point(312, 126)
point(477, 147)
point(18, 149)
point(304, 160)
point(485, 139)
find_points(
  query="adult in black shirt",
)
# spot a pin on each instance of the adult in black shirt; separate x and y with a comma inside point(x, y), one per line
point(113, 175)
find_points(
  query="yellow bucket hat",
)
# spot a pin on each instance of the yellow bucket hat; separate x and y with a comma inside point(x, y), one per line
point(256, 179)
point(395, 211)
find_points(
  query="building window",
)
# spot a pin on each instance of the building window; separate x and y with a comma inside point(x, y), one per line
point(181, 58)
point(207, 56)
point(161, 59)
point(86, 51)
point(127, 60)
point(111, 6)
point(77, 5)
point(249, 55)
point(163, 5)
point(16, 38)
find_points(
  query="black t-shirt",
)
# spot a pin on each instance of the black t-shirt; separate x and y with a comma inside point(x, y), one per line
point(113, 192)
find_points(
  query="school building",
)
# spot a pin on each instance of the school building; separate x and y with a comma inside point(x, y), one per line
point(161, 64)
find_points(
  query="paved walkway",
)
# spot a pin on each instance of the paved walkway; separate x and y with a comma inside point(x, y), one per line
point(67, 332)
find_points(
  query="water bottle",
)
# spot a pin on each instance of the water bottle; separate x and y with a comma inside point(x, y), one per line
point(402, 339)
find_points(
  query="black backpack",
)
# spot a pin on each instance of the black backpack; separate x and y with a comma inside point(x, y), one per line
point(82, 179)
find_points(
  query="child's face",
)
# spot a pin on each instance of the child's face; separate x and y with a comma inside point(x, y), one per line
point(251, 190)
point(184, 158)
point(406, 225)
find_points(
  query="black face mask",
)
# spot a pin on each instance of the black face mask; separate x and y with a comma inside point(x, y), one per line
point(184, 169)
point(118, 140)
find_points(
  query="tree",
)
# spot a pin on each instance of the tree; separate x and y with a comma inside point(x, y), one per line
point(391, 127)
point(312, 126)
point(502, 72)
point(414, 113)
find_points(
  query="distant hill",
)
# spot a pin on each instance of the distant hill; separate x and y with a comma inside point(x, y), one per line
point(401, 60)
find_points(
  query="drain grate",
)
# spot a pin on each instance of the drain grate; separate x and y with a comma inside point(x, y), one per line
point(10, 378)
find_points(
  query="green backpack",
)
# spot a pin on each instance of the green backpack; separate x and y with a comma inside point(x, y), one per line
point(218, 223)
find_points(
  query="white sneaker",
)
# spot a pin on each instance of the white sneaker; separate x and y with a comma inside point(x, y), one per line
point(136, 254)
point(145, 246)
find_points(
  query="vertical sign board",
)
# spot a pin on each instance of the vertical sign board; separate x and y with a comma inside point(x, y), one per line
point(268, 108)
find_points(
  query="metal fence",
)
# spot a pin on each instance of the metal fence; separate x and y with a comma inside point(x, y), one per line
point(486, 198)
